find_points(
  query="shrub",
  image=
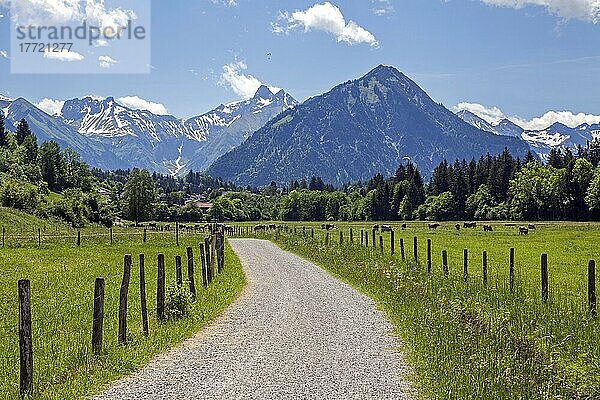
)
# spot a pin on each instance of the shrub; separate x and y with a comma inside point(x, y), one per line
point(178, 301)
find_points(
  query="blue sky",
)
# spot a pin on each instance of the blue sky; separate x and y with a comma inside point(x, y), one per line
point(525, 59)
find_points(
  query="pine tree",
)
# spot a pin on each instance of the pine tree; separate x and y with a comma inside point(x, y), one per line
point(3, 136)
point(529, 157)
point(23, 131)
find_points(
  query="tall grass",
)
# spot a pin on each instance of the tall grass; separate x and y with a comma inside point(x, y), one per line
point(62, 284)
point(466, 340)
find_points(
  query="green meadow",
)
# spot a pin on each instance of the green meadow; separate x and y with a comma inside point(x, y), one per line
point(62, 286)
point(467, 340)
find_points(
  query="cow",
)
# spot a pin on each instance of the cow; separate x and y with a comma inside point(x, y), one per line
point(488, 228)
point(523, 230)
point(260, 228)
point(434, 226)
point(327, 227)
point(457, 226)
point(403, 226)
point(375, 227)
point(272, 227)
point(470, 225)
point(386, 228)
point(531, 227)
point(167, 227)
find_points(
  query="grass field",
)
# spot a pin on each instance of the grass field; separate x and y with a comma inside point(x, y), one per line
point(62, 284)
point(467, 340)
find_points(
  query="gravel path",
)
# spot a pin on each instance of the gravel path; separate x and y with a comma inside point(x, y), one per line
point(294, 333)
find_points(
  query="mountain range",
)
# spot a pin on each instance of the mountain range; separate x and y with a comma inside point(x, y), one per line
point(541, 141)
point(358, 129)
point(109, 135)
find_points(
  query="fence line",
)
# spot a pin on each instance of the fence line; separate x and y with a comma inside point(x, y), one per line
point(213, 244)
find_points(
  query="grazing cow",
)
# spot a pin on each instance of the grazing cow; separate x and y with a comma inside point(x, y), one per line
point(434, 226)
point(457, 226)
point(152, 226)
point(523, 230)
point(470, 225)
point(386, 228)
point(272, 227)
point(328, 227)
point(531, 227)
point(488, 228)
point(375, 227)
point(403, 226)
point(167, 227)
point(260, 228)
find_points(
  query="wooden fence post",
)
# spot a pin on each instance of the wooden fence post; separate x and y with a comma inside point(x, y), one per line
point(466, 265)
point(392, 242)
point(204, 270)
point(326, 238)
point(312, 233)
point(362, 238)
point(160, 288)
point(416, 249)
point(209, 267)
point(177, 233)
point(78, 238)
point(445, 262)
point(374, 238)
point(98, 316)
point(402, 253)
point(381, 243)
point(143, 295)
point(512, 269)
point(190, 266)
point(545, 278)
point(25, 338)
point(123, 299)
point(145, 235)
point(351, 236)
point(485, 268)
point(178, 272)
point(221, 253)
point(366, 239)
point(592, 287)
point(111, 236)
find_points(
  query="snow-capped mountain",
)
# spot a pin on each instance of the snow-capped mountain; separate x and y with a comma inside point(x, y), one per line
point(542, 141)
point(503, 127)
point(110, 135)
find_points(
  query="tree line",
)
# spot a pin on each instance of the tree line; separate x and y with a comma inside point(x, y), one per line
point(54, 183)
point(494, 187)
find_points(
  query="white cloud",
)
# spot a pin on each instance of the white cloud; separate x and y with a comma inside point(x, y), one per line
point(243, 85)
point(564, 117)
point(586, 10)
point(138, 103)
point(50, 106)
point(382, 7)
point(328, 18)
point(494, 114)
point(57, 12)
point(65, 56)
point(229, 3)
point(97, 14)
point(101, 43)
point(43, 12)
point(106, 62)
